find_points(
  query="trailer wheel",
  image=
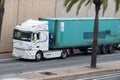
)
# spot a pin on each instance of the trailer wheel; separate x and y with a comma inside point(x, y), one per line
point(104, 49)
point(111, 49)
point(98, 50)
point(39, 56)
point(64, 54)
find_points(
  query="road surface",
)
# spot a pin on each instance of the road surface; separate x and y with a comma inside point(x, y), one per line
point(12, 65)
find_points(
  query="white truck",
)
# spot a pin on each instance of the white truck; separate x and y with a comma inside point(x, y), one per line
point(56, 37)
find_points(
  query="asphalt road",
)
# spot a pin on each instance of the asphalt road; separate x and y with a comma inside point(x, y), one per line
point(12, 65)
point(105, 77)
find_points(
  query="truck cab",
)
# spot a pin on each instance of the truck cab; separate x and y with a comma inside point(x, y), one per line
point(29, 38)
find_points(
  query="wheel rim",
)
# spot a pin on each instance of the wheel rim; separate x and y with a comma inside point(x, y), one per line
point(111, 49)
point(69, 51)
point(38, 56)
point(64, 54)
point(98, 50)
point(104, 50)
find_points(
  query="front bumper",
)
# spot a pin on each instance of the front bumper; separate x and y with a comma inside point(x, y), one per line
point(25, 54)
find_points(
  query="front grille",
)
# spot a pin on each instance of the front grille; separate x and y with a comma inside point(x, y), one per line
point(20, 52)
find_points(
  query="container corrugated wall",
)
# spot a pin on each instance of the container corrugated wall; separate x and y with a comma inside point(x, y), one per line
point(79, 32)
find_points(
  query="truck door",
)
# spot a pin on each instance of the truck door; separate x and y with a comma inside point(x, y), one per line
point(40, 40)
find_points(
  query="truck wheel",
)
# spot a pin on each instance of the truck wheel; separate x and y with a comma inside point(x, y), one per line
point(69, 51)
point(104, 49)
point(38, 56)
point(64, 54)
point(111, 49)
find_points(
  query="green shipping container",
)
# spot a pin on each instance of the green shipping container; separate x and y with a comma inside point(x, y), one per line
point(77, 32)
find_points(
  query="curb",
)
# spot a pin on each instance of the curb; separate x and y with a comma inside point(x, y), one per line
point(79, 75)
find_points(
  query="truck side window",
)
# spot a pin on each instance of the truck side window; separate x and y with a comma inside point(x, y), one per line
point(43, 37)
point(36, 36)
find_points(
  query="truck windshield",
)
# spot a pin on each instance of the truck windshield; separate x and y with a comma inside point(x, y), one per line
point(22, 35)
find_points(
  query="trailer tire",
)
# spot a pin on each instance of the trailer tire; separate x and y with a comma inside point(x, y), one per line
point(64, 54)
point(104, 49)
point(99, 50)
point(39, 56)
point(111, 49)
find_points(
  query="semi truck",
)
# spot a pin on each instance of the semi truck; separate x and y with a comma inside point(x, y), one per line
point(58, 37)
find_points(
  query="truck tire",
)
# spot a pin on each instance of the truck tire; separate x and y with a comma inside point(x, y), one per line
point(64, 54)
point(69, 52)
point(111, 48)
point(104, 49)
point(39, 56)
